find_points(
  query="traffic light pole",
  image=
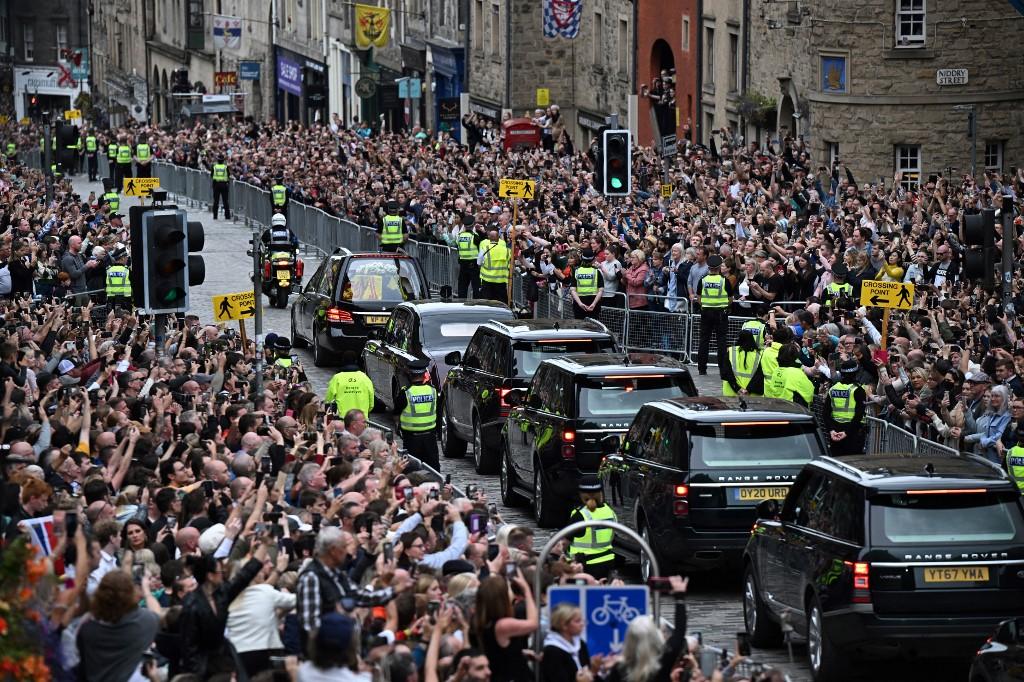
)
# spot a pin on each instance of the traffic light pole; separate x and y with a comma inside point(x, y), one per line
point(257, 287)
point(1009, 239)
point(48, 163)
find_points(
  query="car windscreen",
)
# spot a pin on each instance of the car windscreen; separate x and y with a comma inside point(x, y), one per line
point(381, 281)
point(617, 395)
point(529, 354)
point(753, 444)
point(456, 328)
point(947, 518)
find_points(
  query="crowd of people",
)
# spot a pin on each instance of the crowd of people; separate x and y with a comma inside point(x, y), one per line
point(194, 529)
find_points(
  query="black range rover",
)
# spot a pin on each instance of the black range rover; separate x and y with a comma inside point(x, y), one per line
point(555, 432)
point(690, 472)
point(887, 553)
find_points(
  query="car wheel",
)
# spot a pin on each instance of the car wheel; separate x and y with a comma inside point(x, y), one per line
point(762, 629)
point(319, 355)
point(825, 660)
point(509, 497)
point(646, 565)
point(484, 461)
point(451, 445)
point(543, 505)
point(297, 341)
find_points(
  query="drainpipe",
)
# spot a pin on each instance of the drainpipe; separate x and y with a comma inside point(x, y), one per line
point(745, 65)
point(698, 107)
point(508, 54)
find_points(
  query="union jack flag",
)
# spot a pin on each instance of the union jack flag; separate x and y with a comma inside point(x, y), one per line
point(562, 18)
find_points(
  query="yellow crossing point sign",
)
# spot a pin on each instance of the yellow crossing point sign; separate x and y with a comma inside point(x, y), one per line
point(543, 97)
point(666, 190)
point(516, 189)
point(71, 114)
point(887, 294)
point(239, 306)
point(139, 187)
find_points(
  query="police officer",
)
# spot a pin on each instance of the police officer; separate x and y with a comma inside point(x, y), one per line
point(392, 228)
point(789, 381)
point(838, 287)
point(468, 243)
point(219, 176)
point(593, 546)
point(11, 152)
point(758, 328)
point(124, 162)
point(119, 285)
point(493, 261)
point(1015, 459)
point(282, 349)
point(741, 371)
point(844, 412)
point(715, 296)
point(112, 158)
point(92, 150)
point(279, 196)
point(417, 405)
point(113, 199)
point(770, 355)
point(586, 288)
point(350, 388)
point(143, 157)
point(279, 236)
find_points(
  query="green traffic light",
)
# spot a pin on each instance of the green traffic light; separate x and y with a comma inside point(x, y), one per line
point(616, 183)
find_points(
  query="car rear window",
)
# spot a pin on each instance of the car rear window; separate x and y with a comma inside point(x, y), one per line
point(381, 281)
point(457, 328)
point(948, 518)
point(529, 354)
point(751, 444)
point(625, 395)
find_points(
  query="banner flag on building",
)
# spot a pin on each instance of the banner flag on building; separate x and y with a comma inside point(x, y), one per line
point(227, 32)
point(372, 26)
point(562, 18)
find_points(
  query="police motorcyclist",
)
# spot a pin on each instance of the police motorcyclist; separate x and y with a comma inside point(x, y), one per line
point(417, 405)
point(279, 235)
point(844, 412)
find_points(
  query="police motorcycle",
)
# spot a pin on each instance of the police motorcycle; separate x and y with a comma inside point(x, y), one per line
point(281, 268)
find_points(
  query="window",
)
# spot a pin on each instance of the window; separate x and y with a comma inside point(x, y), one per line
point(478, 26)
point(5, 37)
point(709, 57)
point(196, 34)
point(945, 519)
point(994, 156)
point(734, 61)
point(598, 39)
point(910, 26)
point(730, 446)
point(61, 31)
point(442, 13)
point(495, 30)
point(605, 397)
point(686, 34)
point(528, 355)
point(623, 47)
point(908, 162)
point(709, 123)
point(28, 39)
point(832, 152)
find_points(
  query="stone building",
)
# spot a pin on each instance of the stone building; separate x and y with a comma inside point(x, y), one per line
point(721, 73)
point(588, 77)
point(887, 85)
point(300, 60)
point(666, 38)
point(47, 41)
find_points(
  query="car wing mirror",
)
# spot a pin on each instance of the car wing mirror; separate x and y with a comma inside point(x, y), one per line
point(768, 510)
point(611, 444)
point(453, 358)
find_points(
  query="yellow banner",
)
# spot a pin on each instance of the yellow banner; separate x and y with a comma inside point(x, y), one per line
point(372, 25)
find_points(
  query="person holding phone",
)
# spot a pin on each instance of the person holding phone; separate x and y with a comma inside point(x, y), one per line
point(645, 653)
point(497, 630)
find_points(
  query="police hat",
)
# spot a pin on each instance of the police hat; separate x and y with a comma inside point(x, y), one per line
point(849, 367)
point(587, 254)
point(715, 262)
point(468, 220)
point(282, 343)
point(418, 365)
point(589, 484)
point(391, 206)
point(840, 270)
point(118, 254)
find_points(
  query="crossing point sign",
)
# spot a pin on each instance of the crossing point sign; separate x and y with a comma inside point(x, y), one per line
point(139, 187)
point(516, 189)
point(887, 294)
point(607, 612)
point(239, 306)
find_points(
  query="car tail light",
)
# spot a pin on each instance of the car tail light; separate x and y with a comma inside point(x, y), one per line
point(266, 269)
point(568, 444)
point(680, 504)
point(299, 268)
point(336, 314)
point(861, 581)
point(503, 407)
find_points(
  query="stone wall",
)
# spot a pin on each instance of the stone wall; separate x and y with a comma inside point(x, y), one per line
point(664, 21)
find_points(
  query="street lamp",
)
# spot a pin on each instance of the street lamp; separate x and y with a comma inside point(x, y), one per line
point(972, 130)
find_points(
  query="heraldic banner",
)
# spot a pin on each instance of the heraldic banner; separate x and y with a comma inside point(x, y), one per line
point(372, 26)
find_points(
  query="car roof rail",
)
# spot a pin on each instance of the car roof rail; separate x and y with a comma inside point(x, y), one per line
point(341, 251)
point(500, 323)
point(860, 474)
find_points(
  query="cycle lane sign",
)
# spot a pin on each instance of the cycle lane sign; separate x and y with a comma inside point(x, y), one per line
point(607, 612)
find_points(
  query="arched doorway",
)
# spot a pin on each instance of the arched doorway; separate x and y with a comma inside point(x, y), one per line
point(155, 96)
point(661, 57)
point(787, 122)
point(663, 98)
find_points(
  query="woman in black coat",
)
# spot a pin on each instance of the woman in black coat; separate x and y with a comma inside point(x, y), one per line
point(646, 656)
point(565, 653)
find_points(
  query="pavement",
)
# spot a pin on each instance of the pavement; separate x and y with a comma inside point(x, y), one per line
point(714, 605)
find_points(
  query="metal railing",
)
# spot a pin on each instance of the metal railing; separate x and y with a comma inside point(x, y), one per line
point(886, 437)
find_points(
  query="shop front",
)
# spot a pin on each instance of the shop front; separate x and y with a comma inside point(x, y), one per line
point(590, 126)
point(448, 67)
point(301, 87)
point(51, 88)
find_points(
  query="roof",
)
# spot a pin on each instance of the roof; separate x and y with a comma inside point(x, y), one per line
point(550, 328)
point(438, 307)
point(724, 408)
point(600, 364)
point(342, 251)
point(907, 470)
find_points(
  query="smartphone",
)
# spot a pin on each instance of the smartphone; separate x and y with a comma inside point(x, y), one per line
point(271, 517)
point(492, 509)
point(389, 552)
point(390, 438)
point(266, 464)
point(448, 479)
point(407, 492)
point(208, 489)
point(880, 355)
point(743, 643)
point(659, 584)
point(511, 569)
point(476, 523)
point(434, 494)
point(259, 478)
point(137, 573)
point(317, 518)
point(708, 662)
point(71, 525)
point(432, 608)
point(172, 523)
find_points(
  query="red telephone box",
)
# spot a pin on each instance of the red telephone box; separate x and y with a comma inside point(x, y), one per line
point(521, 133)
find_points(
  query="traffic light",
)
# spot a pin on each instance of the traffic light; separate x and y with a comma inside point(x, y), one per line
point(33, 107)
point(616, 163)
point(980, 243)
point(162, 269)
point(67, 138)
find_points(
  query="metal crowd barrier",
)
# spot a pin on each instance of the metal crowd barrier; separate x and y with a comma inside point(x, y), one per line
point(886, 437)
